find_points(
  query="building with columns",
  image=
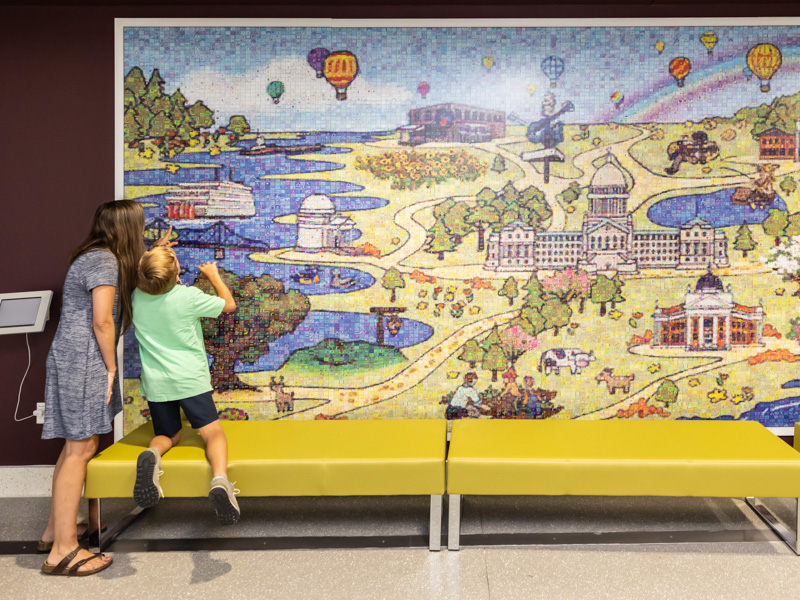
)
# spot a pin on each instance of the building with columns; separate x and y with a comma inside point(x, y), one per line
point(607, 240)
point(319, 226)
point(708, 319)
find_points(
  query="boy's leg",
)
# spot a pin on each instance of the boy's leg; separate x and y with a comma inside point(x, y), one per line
point(166, 417)
point(216, 448)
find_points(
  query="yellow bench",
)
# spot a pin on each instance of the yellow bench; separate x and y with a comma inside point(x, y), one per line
point(294, 458)
point(620, 458)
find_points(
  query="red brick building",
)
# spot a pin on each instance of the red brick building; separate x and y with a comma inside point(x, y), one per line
point(777, 145)
point(451, 122)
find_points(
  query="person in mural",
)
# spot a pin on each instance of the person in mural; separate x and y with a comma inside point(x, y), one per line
point(532, 405)
point(175, 373)
point(466, 396)
point(82, 394)
point(511, 397)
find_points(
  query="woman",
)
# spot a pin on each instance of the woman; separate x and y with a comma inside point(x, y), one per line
point(81, 393)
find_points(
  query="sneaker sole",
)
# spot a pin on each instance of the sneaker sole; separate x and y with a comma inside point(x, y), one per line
point(145, 492)
point(226, 512)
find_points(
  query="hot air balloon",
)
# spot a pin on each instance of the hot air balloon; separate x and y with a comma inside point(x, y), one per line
point(531, 89)
point(488, 61)
point(747, 73)
point(660, 47)
point(316, 58)
point(553, 67)
point(679, 68)
point(275, 89)
point(423, 89)
point(764, 60)
point(339, 69)
point(709, 40)
point(617, 98)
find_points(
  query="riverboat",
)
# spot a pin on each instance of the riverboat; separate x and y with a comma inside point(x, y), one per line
point(309, 275)
point(210, 199)
point(262, 149)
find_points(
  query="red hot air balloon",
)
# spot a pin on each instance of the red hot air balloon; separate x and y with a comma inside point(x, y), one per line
point(679, 68)
point(339, 69)
point(423, 89)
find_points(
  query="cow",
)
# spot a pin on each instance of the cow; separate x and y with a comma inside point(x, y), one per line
point(561, 358)
point(615, 382)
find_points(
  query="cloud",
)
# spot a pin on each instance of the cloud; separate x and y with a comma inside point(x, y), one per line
point(245, 93)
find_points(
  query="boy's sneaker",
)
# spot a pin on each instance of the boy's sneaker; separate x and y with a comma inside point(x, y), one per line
point(146, 491)
point(223, 497)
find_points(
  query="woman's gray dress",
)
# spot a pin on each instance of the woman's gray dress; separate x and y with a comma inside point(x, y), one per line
point(75, 391)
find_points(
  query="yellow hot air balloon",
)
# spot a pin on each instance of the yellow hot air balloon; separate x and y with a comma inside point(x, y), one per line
point(488, 62)
point(531, 89)
point(709, 39)
point(660, 47)
point(339, 69)
point(764, 60)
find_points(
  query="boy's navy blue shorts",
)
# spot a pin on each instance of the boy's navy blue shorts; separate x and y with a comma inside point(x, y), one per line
point(200, 410)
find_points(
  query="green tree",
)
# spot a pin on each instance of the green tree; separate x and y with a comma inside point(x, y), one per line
point(144, 117)
point(485, 196)
point(238, 125)
point(509, 194)
point(128, 99)
point(556, 314)
point(535, 294)
point(440, 241)
point(471, 353)
point(455, 220)
point(499, 164)
point(200, 115)
point(481, 216)
point(135, 83)
point(494, 360)
point(532, 199)
point(667, 393)
point(509, 290)
point(392, 280)
point(264, 313)
point(788, 185)
point(744, 240)
point(601, 292)
point(618, 285)
point(793, 226)
point(775, 224)
point(160, 125)
point(132, 130)
point(154, 90)
point(572, 193)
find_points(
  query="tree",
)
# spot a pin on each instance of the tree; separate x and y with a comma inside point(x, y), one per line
point(775, 224)
point(481, 216)
point(667, 393)
point(516, 342)
point(556, 314)
point(534, 298)
point(509, 290)
point(440, 240)
point(485, 196)
point(132, 129)
point(572, 193)
point(160, 125)
point(618, 285)
point(455, 219)
point(499, 164)
point(154, 90)
point(200, 116)
point(744, 240)
point(509, 193)
point(472, 353)
point(135, 83)
point(494, 360)
point(238, 125)
point(793, 226)
point(392, 280)
point(788, 185)
point(568, 284)
point(264, 313)
point(533, 201)
point(601, 292)
point(785, 261)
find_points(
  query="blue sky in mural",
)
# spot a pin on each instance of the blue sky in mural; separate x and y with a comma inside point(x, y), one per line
point(230, 68)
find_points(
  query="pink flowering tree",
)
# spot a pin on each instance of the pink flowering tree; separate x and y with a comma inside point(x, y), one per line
point(569, 284)
point(785, 260)
point(517, 341)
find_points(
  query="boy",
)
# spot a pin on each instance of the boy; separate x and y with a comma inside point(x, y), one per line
point(175, 374)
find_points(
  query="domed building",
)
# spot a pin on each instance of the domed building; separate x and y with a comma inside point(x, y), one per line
point(607, 240)
point(319, 227)
point(708, 319)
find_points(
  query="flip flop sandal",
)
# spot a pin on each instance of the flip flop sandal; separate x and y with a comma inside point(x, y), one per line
point(62, 568)
point(94, 539)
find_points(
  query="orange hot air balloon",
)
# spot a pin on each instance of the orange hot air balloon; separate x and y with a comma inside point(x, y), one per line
point(679, 68)
point(764, 60)
point(340, 68)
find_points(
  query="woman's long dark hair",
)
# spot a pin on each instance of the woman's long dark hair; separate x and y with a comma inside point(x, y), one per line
point(118, 227)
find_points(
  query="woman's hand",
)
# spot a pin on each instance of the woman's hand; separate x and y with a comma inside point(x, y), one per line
point(165, 241)
point(110, 390)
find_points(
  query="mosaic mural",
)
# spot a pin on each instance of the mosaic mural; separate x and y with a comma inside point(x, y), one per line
point(490, 222)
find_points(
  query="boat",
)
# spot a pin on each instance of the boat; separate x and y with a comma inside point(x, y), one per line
point(309, 275)
point(260, 149)
point(760, 193)
point(339, 281)
point(210, 199)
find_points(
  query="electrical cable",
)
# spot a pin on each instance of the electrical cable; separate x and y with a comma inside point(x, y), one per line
point(19, 395)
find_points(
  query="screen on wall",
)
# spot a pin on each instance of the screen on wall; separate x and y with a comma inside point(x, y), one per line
point(522, 220)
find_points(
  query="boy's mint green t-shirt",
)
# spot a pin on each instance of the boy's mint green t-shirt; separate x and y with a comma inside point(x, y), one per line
point(167, 326)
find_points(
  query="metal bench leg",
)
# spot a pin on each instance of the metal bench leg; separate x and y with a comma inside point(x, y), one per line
point(435, 532)
point(454, 522)
point(781, 529)
point(116, 530)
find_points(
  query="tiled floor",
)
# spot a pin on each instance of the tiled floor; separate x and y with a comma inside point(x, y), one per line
point(707, 548)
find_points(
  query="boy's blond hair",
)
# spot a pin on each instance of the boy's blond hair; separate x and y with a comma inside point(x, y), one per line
point(158, 270)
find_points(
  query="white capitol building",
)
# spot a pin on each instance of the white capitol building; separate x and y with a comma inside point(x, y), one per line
point(319, 227)
point(607, 240)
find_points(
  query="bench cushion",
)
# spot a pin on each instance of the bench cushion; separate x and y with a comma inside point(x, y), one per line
point(620, 458)
point(290, 458)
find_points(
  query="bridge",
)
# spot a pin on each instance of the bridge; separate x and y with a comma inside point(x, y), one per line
point(218, 236)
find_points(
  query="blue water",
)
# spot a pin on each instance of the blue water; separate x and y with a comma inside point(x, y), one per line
point(715, 208)
point(780, 413)
point(317, 326)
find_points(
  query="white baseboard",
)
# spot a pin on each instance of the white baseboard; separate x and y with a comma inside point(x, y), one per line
point(26, 482)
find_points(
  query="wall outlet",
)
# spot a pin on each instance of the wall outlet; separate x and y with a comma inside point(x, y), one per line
point(39, 412)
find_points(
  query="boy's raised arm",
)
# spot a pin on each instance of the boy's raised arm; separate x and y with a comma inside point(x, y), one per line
point(211, 271)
